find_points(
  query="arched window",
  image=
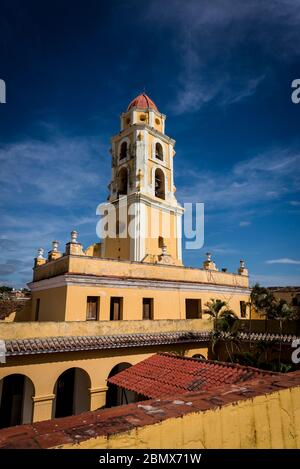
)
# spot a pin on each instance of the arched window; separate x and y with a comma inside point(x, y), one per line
point(159, 152)
point(199, 355)
point(123, 150)
point(72, 393)
point(122, 182)
point(16, 400)
point(159, 182)
point(116, 396)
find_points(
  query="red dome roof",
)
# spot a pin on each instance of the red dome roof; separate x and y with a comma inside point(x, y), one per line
point(143, 101)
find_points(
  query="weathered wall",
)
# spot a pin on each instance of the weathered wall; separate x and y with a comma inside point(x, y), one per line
point(109, 267)
point(267, 421)
point(255, 415)
point(44, 369)
point(86, 328)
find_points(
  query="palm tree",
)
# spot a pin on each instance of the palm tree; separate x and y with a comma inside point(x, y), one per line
point(224, 320)
point(263, 301)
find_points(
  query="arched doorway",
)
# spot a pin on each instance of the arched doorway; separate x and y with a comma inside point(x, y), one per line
point(72, 394)
point(159, 184)
point(117, 396)
point(16, 404)
point(199, 355)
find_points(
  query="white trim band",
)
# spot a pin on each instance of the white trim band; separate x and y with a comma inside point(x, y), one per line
point(118, 282)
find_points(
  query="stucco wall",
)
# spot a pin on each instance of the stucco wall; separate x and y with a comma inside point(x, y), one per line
point(262, 414)
point(86, 328)
point(265, 422)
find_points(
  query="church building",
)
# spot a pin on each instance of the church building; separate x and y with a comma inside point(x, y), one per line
point(100, 309)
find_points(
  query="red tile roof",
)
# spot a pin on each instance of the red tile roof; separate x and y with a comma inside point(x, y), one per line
point(116, 420)
point(37, 345)
point(167, 374)
point(143, 101)
point(79, 343)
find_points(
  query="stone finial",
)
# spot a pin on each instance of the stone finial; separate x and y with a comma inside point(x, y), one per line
point(54, 253)
point(40, 253)
point(39, 260)
point(73, 247)
point(242, 269)
point(164, 257)
point(74, 236)
point(55, 245)
point(208, 264)
point(164, 249)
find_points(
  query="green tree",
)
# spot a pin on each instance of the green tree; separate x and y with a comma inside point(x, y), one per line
point(224, 321)
point(263, 300)
point(5, 289)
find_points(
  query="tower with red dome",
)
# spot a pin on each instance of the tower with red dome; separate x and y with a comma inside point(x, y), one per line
point(143, 179)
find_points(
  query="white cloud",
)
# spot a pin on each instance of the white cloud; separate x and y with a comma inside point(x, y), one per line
point(275, 280)
point(244, 223)
point(47, 189)
point(263, 178)
point(50, 171)
point(210, 34)
point(283, 260)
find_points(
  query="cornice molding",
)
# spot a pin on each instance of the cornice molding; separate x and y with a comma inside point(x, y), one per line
point(120, 282)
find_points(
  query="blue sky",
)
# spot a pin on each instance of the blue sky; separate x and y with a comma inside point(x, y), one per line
point(220, 70)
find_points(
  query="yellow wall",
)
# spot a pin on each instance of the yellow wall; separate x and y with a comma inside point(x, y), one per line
point(69, 303)
point(267, 421)
point(52, 304)
point(43, 370)
point(25, 330)
point(126, 269)
point(164, 226)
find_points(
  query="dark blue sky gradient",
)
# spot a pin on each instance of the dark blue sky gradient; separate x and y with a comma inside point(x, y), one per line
point(222, 73)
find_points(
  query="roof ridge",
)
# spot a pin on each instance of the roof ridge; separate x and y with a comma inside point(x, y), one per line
point(220, 363)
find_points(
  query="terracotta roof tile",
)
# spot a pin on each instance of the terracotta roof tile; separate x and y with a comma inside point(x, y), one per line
point(166, 374)
point(77, 343)
point(142, 101)
point(107, 422)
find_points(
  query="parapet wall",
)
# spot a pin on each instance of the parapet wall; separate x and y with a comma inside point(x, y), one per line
point(113, 268)
point(100, 328)
point(264, 413)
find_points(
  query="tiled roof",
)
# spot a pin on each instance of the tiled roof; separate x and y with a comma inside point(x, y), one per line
point(116, 420)
point(265, 337)
point(142, 101)
point(167, 374)
point(78, 343)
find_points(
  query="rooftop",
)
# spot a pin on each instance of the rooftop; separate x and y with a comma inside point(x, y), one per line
point(122, 427)
point(37, 345)
point(142, 101)
point(166, 374)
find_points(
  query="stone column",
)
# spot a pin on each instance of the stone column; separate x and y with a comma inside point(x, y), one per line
point(42, 407)
point(98, 397)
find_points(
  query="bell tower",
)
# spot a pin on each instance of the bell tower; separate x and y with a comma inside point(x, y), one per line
point(143, 184)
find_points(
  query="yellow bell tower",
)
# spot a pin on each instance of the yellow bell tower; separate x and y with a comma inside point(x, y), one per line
point(148, 217)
